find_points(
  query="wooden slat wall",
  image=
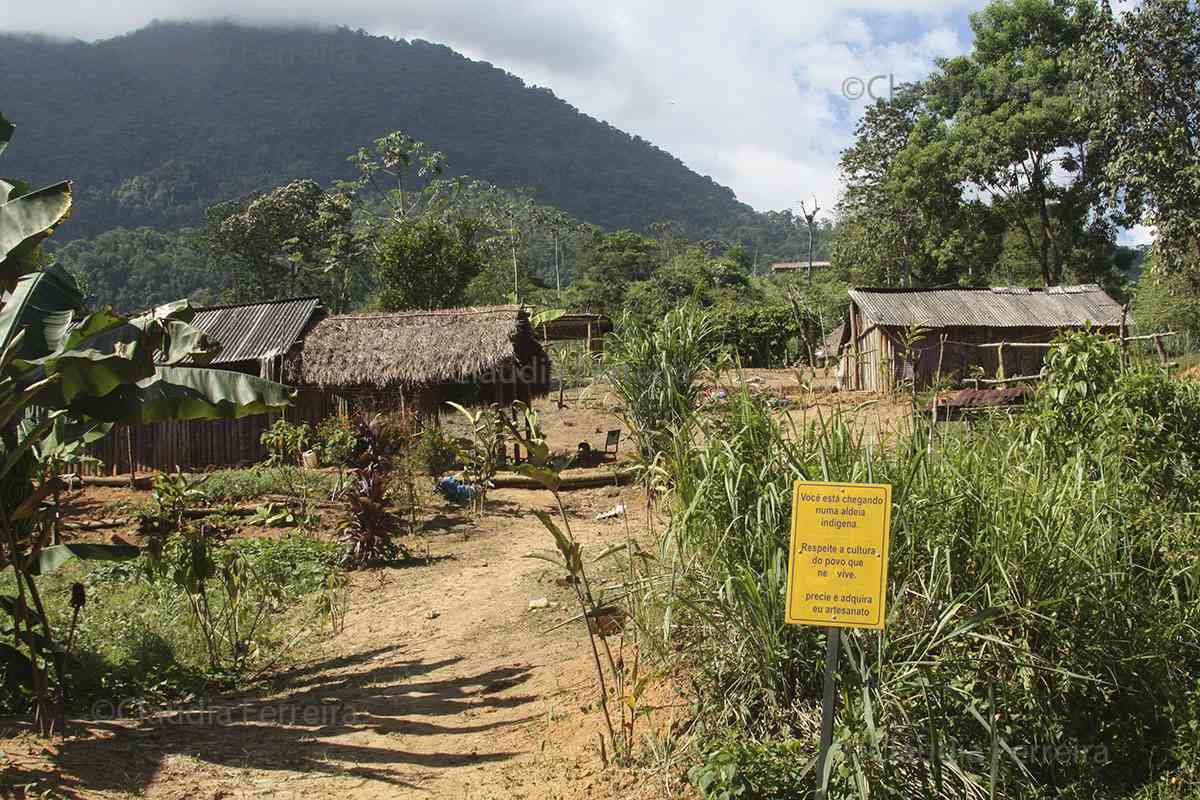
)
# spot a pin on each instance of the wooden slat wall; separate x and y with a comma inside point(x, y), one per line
point(196, 446)
point(190, 446)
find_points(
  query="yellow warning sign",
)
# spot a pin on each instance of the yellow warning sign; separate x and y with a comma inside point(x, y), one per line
point(837, 570)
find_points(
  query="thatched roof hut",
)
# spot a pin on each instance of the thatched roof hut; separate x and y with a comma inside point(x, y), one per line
point(485, 354)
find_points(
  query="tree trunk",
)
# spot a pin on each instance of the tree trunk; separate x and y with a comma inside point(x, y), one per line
point(557, 279)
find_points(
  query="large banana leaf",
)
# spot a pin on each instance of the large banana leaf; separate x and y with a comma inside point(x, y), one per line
point(6, 132)
point(186, 393)
point(66, 438)
point(95, 355)
point(43, 305)
point(11, 189)
point(49, 559)
point(24, 223)
point(25, 217)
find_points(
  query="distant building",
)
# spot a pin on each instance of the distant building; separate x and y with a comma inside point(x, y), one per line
point(955, 323)
point(784, 267)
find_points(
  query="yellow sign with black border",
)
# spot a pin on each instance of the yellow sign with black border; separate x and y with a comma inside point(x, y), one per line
point(838, 563)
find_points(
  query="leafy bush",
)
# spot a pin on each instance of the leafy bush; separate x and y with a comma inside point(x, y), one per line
point(334, 441)
point(735, 767)
point(1149, 420)
point(437, 452)
point(285, 442)
point(760, 335)
point(236, 485)
point(136, 642)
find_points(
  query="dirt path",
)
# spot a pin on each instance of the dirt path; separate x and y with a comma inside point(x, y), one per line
point(442, 684)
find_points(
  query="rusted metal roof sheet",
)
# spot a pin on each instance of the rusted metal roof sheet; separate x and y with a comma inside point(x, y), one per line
point(985, 398)
point(1054, 307)
point(256, 331)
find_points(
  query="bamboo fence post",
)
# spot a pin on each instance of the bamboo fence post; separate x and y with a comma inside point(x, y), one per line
point(129, 450)
point(1125, 336)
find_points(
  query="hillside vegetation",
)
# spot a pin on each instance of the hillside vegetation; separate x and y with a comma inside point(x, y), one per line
point(159, 124)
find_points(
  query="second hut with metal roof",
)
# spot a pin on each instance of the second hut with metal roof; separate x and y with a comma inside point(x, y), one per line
point(896, 335)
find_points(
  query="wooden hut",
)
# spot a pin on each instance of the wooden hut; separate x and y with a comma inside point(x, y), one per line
point(589, 328)
point(955, 325)
point(421, 359)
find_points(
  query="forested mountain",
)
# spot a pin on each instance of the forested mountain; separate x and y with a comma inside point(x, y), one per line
point(156, 125)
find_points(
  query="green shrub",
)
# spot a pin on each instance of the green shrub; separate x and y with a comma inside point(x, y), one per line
point(285, 442)
point(736, 768)
point(237, 485)
point(136, 639)
point(438, 453)
point(760, 335)
point(335, 441)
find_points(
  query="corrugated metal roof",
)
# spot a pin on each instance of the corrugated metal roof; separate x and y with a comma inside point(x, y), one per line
point(255, 331)
point(1054, 307)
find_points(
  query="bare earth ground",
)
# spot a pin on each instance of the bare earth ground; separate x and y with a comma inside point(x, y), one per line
point(443, 683)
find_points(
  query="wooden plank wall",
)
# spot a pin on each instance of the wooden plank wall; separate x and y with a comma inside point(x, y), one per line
point(190, 446)
point(199, 445)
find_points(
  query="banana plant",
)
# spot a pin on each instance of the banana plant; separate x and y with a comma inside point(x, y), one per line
point(26, 217)
point(66, 373)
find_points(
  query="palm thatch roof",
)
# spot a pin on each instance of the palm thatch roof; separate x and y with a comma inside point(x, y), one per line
point(418, 348)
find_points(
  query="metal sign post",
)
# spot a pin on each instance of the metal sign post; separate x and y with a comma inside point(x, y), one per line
point(833, 640)
point(837, 574)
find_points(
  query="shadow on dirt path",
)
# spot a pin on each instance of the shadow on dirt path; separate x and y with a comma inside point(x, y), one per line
point(311, 727)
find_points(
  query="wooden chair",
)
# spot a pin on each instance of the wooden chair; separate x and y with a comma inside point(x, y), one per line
point(612, 440)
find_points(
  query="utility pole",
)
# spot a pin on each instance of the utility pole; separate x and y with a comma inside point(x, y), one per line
point(557, 279)
point(810, 219)
point(512, 238)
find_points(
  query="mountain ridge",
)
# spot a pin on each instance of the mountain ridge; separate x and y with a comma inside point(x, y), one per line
point(157, 124)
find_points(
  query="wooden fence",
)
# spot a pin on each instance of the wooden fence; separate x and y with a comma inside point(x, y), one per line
point(198, 445)
point(190, 446)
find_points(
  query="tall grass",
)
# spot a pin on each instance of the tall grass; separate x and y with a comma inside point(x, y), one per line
point(1041, 638)
point(657, 373)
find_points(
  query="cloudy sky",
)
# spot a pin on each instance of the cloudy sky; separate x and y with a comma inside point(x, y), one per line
point(753, 94)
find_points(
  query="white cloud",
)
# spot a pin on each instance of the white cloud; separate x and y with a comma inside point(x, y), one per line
point(749, 93)
point(1137, 236)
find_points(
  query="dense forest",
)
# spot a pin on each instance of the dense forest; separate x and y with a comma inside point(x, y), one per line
point(159, 124)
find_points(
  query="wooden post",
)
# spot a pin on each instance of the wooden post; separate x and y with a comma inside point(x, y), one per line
point(1162, 351)
point(856, 381)
point(1125, 336)
point(1000, 356)
point(129, 450)
point(513, 410)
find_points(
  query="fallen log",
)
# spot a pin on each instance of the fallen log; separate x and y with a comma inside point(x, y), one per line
point(572, 479)
point(139, 482)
